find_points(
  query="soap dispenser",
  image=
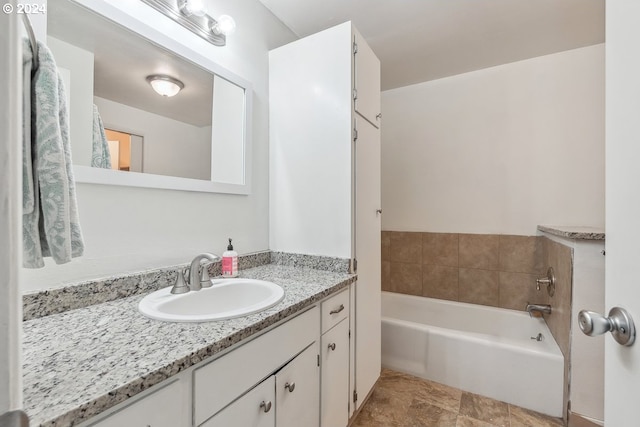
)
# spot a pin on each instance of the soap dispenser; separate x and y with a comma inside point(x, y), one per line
point(230, 262)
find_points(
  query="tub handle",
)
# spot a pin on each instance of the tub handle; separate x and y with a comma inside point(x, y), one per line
point(337, 310)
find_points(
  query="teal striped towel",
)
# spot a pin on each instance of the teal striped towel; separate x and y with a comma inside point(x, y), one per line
point(50, 214)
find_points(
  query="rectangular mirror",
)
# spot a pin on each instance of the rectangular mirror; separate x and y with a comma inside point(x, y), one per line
point(196, 140)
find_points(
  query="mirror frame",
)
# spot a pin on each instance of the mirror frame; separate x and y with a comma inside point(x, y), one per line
point(91, 175)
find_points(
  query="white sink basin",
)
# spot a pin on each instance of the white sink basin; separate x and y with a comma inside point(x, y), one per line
point(227, 298)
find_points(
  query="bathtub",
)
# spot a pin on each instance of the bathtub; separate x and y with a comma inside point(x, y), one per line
point(483, 350)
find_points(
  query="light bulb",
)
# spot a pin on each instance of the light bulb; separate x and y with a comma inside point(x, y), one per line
point(193, 7)
point(224, 25)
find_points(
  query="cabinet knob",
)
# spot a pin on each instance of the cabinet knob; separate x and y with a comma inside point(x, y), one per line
point(337, 310)
point(290, 387)
point(332, 346)
point(265, 406)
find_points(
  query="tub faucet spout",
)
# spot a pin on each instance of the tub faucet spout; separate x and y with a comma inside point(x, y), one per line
point(536, 310)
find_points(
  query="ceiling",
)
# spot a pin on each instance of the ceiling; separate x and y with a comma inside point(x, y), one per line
point(421, 40)
point(123, 59)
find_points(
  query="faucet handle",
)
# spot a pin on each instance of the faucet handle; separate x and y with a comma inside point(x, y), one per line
point(180, 287)
point(205, 278)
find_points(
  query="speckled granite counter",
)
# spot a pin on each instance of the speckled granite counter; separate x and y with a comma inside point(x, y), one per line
point(82, 362)
point(570, 232)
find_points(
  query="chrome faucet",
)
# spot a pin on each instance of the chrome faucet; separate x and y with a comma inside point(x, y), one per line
point(195, 281)
point(538, 308)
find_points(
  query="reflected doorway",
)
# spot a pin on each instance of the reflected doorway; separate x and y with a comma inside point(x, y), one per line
point(126, 150)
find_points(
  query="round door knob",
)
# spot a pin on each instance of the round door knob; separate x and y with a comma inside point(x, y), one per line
point(332, 346)
point(592, 323)
point(265, 406)
point(290, 387)
point(619, 323)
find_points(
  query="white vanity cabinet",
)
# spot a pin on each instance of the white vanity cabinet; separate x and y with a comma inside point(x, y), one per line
point(288, 398)
point(324, 120)
point(334, 402)
point(334, 361)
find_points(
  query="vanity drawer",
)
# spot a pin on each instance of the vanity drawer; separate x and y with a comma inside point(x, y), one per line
point(220, 382)
point(334, 310)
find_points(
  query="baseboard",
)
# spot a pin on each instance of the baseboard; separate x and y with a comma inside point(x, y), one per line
point(577, 420)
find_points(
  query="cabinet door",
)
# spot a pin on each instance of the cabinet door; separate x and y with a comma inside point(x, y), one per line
point(163, 408)
point(257, 408)
point(366, 81)
point(334, 364)
point(297, 391)
point(367, 288)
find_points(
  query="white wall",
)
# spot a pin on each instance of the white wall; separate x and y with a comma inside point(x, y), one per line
point(171, 147)
point(128, 228)
point(10, 214)
point(499, 150)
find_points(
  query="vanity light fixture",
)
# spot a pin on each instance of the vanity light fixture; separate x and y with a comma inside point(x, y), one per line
point(192, 15)
point(165, 85)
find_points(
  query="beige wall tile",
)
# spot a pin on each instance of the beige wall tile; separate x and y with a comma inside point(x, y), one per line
point(520, 254)
point(440, 282)
point(386, 242)
point(405, 247)
point(479, 286)
point(440, 249)
point(517, 289)
point(406, 278)
point(479, 251)
point(385, 276)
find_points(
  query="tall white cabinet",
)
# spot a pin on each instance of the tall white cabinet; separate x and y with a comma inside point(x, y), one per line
point(324, 103)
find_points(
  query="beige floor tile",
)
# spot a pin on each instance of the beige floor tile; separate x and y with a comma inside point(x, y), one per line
point(412, 388)
point(521, 417)
point(471, 422)
point(422, 414)
point(402, 400)
point(485, 409)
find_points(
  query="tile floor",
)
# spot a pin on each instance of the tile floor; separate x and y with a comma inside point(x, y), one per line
point(401, 400)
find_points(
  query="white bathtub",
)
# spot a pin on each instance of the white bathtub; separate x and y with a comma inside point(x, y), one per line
point(483, 350)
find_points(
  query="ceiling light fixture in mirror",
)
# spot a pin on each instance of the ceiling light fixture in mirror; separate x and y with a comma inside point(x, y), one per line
point(192, 14)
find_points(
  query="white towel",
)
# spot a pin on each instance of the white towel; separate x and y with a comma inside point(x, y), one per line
point(100, 156)
point(51, 227)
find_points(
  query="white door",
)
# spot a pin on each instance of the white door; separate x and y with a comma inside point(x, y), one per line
point(367, 288)
point(622, 364)
point(298, 391)
point(334, 350)
point(10, 213)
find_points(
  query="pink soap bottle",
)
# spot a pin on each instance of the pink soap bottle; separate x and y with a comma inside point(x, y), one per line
point(230, 262)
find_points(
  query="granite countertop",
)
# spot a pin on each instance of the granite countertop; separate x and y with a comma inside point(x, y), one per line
point(572, 232)
point(81, 362)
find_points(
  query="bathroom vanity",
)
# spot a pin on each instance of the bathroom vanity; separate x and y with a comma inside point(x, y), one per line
point(107, 365)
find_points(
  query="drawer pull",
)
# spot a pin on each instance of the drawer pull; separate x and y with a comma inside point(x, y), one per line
point(266, 406)
point(337, 310)
point(290, 387)
point(332, 346)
